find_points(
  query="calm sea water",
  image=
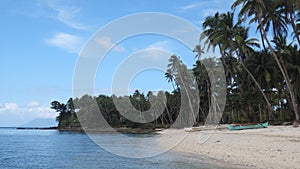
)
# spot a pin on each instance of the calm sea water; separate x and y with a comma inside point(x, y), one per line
point(53, 149)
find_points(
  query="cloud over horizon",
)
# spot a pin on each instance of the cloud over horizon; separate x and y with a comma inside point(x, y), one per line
point(12, 114)
point(106, 43)
point(65, 41)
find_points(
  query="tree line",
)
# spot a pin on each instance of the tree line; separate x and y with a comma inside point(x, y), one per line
point(262, 74)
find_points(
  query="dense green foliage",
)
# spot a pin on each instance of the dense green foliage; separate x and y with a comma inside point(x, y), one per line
point(262, 78)
point(67, 117)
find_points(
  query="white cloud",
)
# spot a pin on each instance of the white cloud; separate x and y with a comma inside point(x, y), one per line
point(155, 55)
point(12, 113)
point(160, 45)
point(68, 42)
point(33, 104)
point(66, 14)
point(42, 111)
point(9, 107)
point(106, 43)
point(191, 6)
point(156, 51)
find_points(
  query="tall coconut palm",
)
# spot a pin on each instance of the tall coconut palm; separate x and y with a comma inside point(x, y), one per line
point(289, 56)
point(204, 87)
point(232, 38)
point(258, 10)
point(287, 8)
point(199, 51)
point(293, 66)
point(275, 21)
point(210, 26)
point(244, 46)
point(170, 77)
point(262, 66)
point(185, 80)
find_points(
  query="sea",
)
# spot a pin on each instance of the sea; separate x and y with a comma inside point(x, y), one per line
point(53, 149)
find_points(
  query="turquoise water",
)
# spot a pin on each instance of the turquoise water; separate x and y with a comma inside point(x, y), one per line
point(53, 149)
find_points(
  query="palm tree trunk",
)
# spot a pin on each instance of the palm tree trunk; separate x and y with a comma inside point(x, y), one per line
point(269, 106)
point(285, 76)
point(223, 56)
point(169, 116)
point(189, 120)
point(262, 40)
point(260, 113)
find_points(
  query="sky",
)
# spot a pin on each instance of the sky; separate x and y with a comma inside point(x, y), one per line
point(41, 41)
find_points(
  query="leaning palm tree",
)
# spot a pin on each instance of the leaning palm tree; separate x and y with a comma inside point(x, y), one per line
point(262, 66)
point(258, 10)
point(289, 56)
point(185, 81)
point(244, 49)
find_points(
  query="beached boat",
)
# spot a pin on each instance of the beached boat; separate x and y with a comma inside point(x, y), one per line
point(247, 126)
point(204, 128)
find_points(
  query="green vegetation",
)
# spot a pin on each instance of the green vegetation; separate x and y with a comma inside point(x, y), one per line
point(67, 117)
point(263, 78)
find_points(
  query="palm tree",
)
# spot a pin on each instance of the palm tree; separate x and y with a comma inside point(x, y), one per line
point(210, 26)
point(204, 87)
point(287, 8)
point(292, 61)
point(260, 9)
point(243, 46)
point(232, 38)
point(199, 51)
point(185, 81)
point(262, 66)
point(289, 56)
point(219, 31)
point(275, 20)
point(170, 77)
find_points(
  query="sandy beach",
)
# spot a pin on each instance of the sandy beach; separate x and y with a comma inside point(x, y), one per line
point(272, 147)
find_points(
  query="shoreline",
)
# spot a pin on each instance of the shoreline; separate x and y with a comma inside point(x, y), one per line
point(35, 128)
point(122, 130)
point(272, 147)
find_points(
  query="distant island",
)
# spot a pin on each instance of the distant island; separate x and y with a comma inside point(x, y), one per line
point(41, 123)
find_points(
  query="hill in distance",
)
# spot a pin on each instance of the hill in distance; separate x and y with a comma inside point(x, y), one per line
point(41, 122)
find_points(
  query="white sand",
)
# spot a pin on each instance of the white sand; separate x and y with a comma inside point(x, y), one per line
point(273, 147)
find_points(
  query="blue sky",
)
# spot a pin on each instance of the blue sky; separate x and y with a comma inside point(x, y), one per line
point(40, 42)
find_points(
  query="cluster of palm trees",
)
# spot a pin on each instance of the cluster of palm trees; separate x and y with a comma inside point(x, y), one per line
point(85, 111)
point(262, 76)
point(262, 73)
point(279, 15)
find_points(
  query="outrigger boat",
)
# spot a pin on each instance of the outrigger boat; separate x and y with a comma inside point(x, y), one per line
point(204, 128)
point(247, 126)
